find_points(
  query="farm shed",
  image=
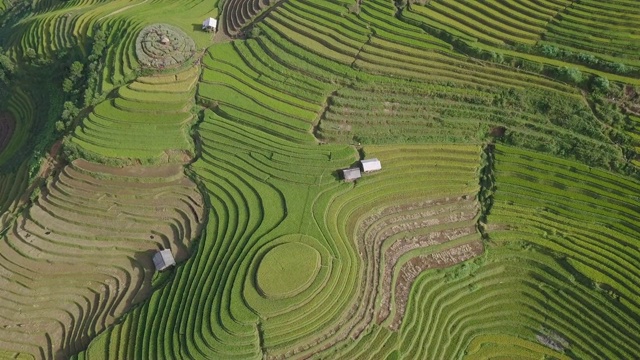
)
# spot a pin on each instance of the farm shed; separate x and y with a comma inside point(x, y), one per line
point(210, 24)
point(351, 174)
point(163, 259)
point(369, 165)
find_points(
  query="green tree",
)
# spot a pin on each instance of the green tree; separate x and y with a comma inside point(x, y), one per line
point(618, 68)
point(550, 50)
point(600, 84)
point(31, 53)
point(588, 59)
point(75, 71)
point(70, 111)
point(67, 85)
point(7, 66)
point(255, 32)
point(60, 126)
point(571, 75)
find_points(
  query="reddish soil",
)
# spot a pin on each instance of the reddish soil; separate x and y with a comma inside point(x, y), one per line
point(630, 91)
point(498, 131)
point(7, 127)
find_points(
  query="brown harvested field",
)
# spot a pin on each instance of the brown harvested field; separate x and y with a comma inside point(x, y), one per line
point(399, 231)
point(7, 127)
point(80, 255)
point(405, 245)
point(414, 267)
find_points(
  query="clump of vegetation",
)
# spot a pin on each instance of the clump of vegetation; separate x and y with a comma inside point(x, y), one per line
point(7, 68)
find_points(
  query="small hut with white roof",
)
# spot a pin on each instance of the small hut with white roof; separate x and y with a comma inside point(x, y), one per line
point(370, 165)
point(210, 24)
point(163, 259)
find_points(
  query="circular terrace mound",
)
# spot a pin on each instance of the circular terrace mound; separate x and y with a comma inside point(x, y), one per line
point(287, 270)
point(163, 46)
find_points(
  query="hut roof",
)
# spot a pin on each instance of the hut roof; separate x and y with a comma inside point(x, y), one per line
point(351, 174)
point(163, 259)
point(370, 165)
point(210, 23)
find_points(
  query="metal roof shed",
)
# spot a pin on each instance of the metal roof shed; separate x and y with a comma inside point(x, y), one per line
point(351, 174)
point(369, 165)
point(210, 23)
point(163, 259)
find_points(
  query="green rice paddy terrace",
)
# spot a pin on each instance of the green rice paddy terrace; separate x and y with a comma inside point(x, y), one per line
point(502, 224)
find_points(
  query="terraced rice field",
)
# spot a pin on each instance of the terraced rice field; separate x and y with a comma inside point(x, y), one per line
point(575, 29)
point(100, 225)
point(18, 122)
point(248, 225)
point(588, 28)
point(461, 246)
point(239, 13)
point(58, 25)
point(373, 113)
point(150, 117)
point(7, 126)
point(586, 219)
point(12, 186)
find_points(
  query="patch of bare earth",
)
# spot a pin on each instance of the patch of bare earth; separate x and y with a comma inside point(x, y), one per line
point(417, 265)
point(630, 101)
point(402, 229)
point(403, 246)
point(81, 254)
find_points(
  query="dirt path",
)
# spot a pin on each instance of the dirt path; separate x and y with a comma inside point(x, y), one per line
point(48, 167)
point(121, 10)
point(159, 171)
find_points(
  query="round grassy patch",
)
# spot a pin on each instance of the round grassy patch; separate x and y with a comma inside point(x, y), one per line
point(287, 269)
point(162, 45)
